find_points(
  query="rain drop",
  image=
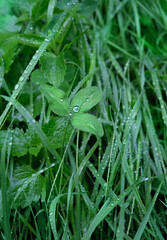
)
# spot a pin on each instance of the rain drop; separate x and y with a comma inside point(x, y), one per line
point(76, 109)
point(61, 100)
point(33, 121)
point(46, 40)
point(25, 71)
point(16, 87)
point(70, 114)
point(34, 57)
point(21, 78)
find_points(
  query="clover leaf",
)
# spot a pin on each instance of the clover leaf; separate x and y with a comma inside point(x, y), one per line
point(88, 123)
point(83, 101)
point(57, 99)
point(86, 98)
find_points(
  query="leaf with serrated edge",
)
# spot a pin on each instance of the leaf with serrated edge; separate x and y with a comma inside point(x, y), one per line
point(86, 98)
point(53, 68)
point(58, 101)
point(88, 123)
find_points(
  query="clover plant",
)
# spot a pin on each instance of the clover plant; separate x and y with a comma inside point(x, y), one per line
point(51, 78)
point(83, 101)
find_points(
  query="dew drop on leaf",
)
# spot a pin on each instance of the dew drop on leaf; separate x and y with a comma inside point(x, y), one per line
point(76, 109)
point(16, 87)
point(61, 100)
point(21, 78)
point(34, 57)
point(46, 40)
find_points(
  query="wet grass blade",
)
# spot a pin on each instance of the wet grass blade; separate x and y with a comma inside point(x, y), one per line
point(147, 215)
point(6, 212)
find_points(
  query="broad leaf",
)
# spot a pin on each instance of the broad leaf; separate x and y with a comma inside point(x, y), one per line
point(86, 98)
point(26, 187)
point(38, 77)
point(9, 47)
point(32, 40)
point(18, 141)
point(58, 101)
point(56, 131)
point(53, 68)
point(88, 123)
point(8, 21)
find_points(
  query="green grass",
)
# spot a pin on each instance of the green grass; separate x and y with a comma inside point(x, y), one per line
point(106, 179)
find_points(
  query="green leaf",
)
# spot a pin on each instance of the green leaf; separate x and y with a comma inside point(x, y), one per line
point(9, 47)
point(32, 40)
point(35, 150)
point(86, 98)
point(26, 187)
point(8, 23)
point(58, 101)
point(88, 123)
point(53, 68)
point(18, 141)
point(37, 77)
point(56, 131)
point(52, 211)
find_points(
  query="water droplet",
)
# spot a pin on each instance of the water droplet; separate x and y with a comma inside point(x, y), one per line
point(70, 114)
point(25, 71)
point(76, 109)
point(46, 40)
point(87, 99)
point(10, 143)
point(84, 104)
point(53, 164)
point(10, 103)
point(33, 121)
point(34, 57)
point(16, 87)
point(21, 79)
point(30, 63)
point(61, 100)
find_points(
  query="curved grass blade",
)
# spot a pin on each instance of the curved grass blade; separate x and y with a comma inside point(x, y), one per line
point(147, 215)
point(52, 211)
point(4, 193)
point(107, 207)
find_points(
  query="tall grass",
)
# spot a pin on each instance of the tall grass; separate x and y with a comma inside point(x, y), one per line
point(58, 182)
